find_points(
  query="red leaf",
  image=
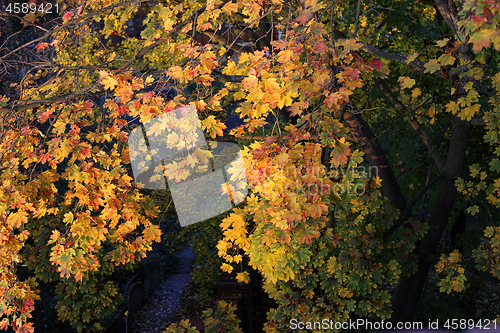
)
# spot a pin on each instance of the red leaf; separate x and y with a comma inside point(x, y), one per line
point(377, 64)
point(122, 110)
point(87, 106)
point(45, 115)
point(66, 17)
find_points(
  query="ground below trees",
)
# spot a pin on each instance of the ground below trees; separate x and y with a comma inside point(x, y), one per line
point(162, 306)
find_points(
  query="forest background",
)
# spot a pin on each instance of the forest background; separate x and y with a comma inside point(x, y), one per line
point(316, 92)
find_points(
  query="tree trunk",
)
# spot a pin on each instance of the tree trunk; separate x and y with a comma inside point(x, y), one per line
point(375, 155)
point(410, 288)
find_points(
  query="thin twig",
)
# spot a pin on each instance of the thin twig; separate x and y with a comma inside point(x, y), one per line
point(356, 25)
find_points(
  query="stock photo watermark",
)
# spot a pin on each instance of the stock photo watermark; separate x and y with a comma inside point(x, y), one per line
point(170, 151)
point(323, 186)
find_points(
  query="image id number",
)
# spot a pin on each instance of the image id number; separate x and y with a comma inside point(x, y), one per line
point(25, 8)
point(462, 324)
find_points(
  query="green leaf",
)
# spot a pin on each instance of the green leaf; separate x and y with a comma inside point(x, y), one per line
point(304, 255)
point(495, 164)
point(351, 305)
point(447, 59)
point(64, 258)
point(148, 32)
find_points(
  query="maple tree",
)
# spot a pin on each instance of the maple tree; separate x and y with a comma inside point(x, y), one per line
point(333, 89)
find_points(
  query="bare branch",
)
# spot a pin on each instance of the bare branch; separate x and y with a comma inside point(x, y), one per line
point(477, 122)
point(228, 78)
point(37, 103)
point(65, 25)
point(223, 41)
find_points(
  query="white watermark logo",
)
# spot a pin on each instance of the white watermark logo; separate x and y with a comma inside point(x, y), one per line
point(205, 179)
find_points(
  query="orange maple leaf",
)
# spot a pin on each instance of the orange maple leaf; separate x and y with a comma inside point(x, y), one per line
point(249, 82)
point(42, 46)
point(304, 17)
point(230, 8)
point(285, 56)
point(124, 92)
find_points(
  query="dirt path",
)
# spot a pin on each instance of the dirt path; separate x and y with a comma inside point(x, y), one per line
point(156, 314)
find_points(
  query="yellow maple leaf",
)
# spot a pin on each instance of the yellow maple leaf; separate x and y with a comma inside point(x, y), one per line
point(406, 82)
point(175, 72)
point(16, 220)
point(230, 8)
point(469, 111)
point(432, 66)
point(452, 107)
point(107, 80)
point(227, 268)
point(415, 92)
point(53, 238)
point(243, 277)
point(285, 100)
point(213, 126)
point(270, 85)
point(284, 56)
point(208, 122)
point(442, 42)
point(411, 57)
point(351, 45)
point(446, 59)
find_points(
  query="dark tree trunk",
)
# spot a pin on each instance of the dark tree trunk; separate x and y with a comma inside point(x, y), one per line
point(410, 288)
point(374, 154)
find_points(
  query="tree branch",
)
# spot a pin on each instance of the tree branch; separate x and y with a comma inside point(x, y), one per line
point(37, 103)
point(228, 78)
point(223, 41)
point(375, 155)
point(64, 25)
point(410, 287)
point(482, 283)
point(356, 25)
point(407, 212)
point(447, 14)
point(163, 38)
point(394, 57)
point(474, 279)
point(477, 122)
point(422, 133)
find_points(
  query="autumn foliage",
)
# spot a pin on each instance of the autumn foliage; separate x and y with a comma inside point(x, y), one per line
point(369, 135)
